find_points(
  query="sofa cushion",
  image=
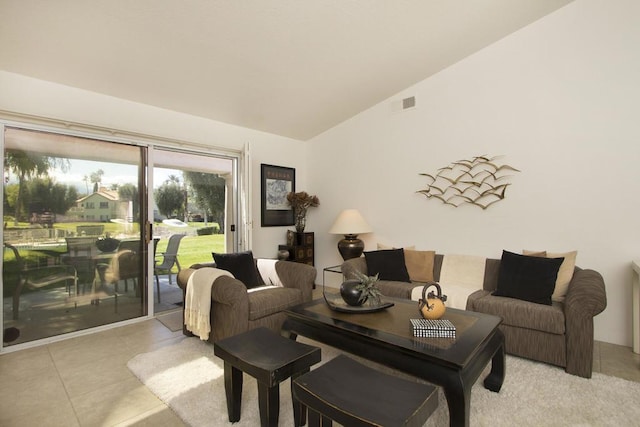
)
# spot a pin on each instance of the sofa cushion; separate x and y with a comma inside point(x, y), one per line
point(388, 264)
point(523, 314)
point(272, 300)
point(241, 265)
point(395, 289)
point(419, 265)
point(528, 278)
point(565, 274)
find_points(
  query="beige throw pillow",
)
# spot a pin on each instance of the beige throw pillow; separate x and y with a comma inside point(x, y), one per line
point(565, 274)
point(419, 265)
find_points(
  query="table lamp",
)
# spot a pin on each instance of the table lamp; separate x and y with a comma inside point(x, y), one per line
point(350, 223)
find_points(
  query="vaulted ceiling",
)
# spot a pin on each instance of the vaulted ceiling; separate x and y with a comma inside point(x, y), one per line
point(289, 67)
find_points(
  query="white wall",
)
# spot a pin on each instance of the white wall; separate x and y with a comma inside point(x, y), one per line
point(560, 99)
point(20, 94)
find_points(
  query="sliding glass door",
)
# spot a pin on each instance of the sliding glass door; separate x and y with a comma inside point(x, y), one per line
point(75, 250)
point(194, 211)
point(96, 230)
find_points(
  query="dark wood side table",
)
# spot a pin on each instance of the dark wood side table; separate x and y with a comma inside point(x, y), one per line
point(301, 249)
point(270, 359)
point(350, 393)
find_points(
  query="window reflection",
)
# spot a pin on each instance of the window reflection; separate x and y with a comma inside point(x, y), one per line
point(72, 242)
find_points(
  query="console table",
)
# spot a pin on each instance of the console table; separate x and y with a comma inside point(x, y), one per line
point(635, 286)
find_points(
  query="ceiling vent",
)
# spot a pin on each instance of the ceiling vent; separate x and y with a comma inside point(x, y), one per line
point(408, 103)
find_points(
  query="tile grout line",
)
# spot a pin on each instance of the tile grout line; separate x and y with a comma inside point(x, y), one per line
point(64, 385)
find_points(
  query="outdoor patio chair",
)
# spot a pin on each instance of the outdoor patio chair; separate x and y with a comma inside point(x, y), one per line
point(123, 266)
point(170, 258)
point(38, 277)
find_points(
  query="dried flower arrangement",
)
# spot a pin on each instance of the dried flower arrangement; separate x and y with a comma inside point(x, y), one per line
point(300, 202)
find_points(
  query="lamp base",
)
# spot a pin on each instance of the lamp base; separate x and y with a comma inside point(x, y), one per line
point(350, 246)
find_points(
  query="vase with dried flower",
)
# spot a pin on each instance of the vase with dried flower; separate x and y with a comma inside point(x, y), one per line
point(300, 202)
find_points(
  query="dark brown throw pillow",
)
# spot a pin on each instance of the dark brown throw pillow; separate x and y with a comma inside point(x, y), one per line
point(388, 264)
point(241, 265)
point(528, 278)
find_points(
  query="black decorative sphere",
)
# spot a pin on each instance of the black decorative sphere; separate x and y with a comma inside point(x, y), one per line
point(350, 294)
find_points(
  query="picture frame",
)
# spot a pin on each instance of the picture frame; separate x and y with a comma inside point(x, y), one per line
point(276, 183)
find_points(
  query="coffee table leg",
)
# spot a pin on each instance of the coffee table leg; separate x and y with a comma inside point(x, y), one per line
point(269, 403)
point(459, 401)
point(233, 390)
point(494, 380)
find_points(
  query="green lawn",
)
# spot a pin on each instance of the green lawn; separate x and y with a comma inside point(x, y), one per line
point(193, 249)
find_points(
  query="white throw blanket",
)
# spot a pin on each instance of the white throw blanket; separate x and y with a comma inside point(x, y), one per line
point(197, 302)
point(460, 276)
point(267, 269)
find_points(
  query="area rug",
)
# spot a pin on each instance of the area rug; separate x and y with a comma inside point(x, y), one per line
point(188, 377)
point(172, 320)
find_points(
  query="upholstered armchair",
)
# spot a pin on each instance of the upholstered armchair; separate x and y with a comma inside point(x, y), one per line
point(236, 309)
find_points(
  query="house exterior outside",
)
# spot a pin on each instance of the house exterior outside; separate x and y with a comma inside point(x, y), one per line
point(102, 206)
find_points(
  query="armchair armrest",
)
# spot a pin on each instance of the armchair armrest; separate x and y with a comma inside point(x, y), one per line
point(230, 291)
point(297, 275)
point(231, 312)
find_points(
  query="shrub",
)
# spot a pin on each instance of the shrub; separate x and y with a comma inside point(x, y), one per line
point(205, 231)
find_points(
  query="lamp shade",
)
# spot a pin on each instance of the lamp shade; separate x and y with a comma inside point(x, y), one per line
point(350, 222)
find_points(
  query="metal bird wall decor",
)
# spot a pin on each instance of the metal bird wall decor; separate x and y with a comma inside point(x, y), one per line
point(480, 181)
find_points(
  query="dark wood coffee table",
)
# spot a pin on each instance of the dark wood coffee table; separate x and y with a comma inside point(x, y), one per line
point(386, 337)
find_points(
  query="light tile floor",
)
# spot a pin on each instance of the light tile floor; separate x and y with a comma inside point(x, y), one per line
point(84, 381)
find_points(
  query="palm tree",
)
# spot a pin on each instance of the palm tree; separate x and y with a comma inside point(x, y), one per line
point(96, 179)
point(27, 165)
point(86, 182)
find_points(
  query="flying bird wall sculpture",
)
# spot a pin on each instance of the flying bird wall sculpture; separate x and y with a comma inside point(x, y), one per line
point(481, 181)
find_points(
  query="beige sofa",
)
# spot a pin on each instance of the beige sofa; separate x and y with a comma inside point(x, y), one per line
point(235, 310)
point(560, 334)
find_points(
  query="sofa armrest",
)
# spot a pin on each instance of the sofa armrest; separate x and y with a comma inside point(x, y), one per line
point(586, 295)
point(471, 299)
point(297, 275)
point(353, 265)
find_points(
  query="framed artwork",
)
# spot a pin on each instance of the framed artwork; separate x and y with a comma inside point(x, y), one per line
point(277, 182)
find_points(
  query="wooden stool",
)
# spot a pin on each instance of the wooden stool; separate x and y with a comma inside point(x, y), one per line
point(270, 359)
point(352, 394)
